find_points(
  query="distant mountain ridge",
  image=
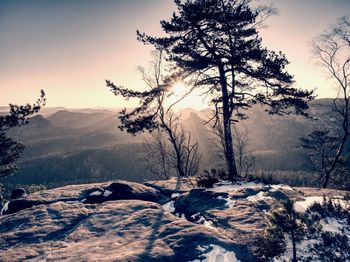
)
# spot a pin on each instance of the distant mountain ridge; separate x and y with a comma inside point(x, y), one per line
point(79, 139)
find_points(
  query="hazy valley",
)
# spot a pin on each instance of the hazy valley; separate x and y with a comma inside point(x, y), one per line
point(66, 146)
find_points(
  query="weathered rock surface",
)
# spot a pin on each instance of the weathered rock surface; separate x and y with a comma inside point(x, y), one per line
point(125, 230)
point(125, 221)
point(173, 185)
point(88, 194)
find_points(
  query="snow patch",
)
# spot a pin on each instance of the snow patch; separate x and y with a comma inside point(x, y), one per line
point(229, 201)
point(333, 226)
point(258, 197)
point(304, 249)
point(169, 206)
point(302, 206)
point(217, 254)
point(96, 193)
point(228, 186)
point(201, 220)
point(281, 186)
point(4, 208)
point(208, 224)
point(107, 193)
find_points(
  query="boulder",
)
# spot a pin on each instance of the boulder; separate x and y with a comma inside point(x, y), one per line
point(124, 230)
point(18, 193)
point(237, 219)
point(66, 193)
point(17, 205)
point(192, 203)
point(173, 185)
point(88, 194)
point(164, 190)
point(120, 190)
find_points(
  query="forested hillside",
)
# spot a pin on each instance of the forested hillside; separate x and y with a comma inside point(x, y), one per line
point(65, 146)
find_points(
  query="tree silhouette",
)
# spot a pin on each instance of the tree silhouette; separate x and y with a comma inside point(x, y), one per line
point(153, 114)
point(321, 147)
point(216, 44)
point(332, 48)
point(243, 157)
point(289, 222)
point(10, 150)
point(155, 155)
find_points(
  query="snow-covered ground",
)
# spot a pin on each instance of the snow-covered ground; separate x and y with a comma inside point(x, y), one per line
point(4, 208)
point(107, 193)
point(229, 202)
point(313, 243)
point(169, 207)
point(281, 186)
point(304, 249)
point(205, 222)
point(303, 205)
point(216, 254)
point(333, 225)
point(258, 197)
point(226, 186)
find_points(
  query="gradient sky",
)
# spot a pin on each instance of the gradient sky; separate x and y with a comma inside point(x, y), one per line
point(69, 47)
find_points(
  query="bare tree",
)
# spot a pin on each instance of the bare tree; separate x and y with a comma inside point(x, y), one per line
point(152, 114)
point(243, 157)
point(332, 48)
point(245, 160)
point(321, 147)
point(171, 149)
point(218, 138)
point(165, 154)
point(189, 151)
point(156, 155)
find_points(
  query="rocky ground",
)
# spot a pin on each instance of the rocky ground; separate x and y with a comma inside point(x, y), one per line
point(158, 221)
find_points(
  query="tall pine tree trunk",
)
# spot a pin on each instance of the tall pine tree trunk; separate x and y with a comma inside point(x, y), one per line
point(229, 153)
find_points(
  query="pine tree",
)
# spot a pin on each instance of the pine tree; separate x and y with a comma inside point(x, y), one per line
point(216, 43)
point(288, 221)
point(321, 147)
point(11, 151)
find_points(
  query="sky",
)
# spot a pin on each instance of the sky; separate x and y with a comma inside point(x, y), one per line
point(70, 47)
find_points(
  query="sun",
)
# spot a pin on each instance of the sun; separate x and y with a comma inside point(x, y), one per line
point(179, 88)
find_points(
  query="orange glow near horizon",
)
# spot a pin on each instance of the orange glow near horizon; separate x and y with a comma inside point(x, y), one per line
point(48, 45)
